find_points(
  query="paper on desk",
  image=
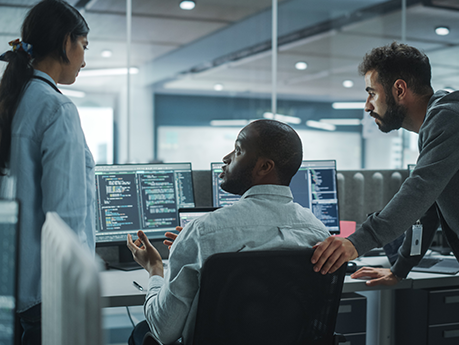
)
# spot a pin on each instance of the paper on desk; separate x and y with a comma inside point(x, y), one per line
point(347, 227)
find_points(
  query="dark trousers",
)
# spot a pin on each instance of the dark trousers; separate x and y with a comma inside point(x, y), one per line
point(30, 322)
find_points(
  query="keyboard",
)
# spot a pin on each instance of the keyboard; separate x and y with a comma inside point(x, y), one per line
point(428, 262)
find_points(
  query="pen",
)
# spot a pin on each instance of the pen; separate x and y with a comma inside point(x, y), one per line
point(137, 285)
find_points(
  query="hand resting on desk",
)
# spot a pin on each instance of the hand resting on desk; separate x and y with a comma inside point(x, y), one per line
point(378, 276)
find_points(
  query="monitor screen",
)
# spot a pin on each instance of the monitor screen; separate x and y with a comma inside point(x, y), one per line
point(220, 198)
point(9, 217)
point(314, 186)
point(140, 197)
point(187, 215)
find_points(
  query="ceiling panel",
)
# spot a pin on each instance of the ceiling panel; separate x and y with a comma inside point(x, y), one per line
point(160, 28)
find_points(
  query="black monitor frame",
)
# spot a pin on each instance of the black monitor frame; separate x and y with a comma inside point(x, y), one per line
point(153, 234)
point(215, 184)
point(16, 327)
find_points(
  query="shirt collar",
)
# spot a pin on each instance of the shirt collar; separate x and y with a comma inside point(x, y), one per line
point(268, 189)
point(43, 75)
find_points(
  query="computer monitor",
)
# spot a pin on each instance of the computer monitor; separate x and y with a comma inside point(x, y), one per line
point(132, 197)
point(220, 198)
point(314, 186)
point(9, 218)
point(187, 215)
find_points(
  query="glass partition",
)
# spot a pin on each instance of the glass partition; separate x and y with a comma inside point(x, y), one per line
point(200, 75)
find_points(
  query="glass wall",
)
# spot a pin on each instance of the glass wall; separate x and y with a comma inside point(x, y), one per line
point(199, 75)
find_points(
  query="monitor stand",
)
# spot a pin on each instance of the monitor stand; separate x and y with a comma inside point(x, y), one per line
point(126, 261)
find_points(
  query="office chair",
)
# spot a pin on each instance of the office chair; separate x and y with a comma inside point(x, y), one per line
point(267, 297)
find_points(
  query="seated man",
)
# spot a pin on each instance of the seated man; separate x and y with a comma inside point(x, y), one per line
point(266, 156)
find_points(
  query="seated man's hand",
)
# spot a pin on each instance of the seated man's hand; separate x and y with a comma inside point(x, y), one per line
point(332, 253)
point(171, 237)
point(145, 254)
point(379, 276)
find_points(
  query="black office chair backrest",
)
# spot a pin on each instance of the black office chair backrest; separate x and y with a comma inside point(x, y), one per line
point(266, 297)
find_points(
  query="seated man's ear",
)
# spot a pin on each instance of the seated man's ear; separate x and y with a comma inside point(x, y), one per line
point(265, 167)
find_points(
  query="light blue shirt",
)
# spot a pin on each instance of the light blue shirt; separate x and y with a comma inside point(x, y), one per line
point(54, 171)
point(264, 218)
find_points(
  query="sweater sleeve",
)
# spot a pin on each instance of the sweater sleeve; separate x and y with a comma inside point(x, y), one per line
point(405, 262)
point(436, 165)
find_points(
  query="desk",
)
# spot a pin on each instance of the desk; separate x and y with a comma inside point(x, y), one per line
point(118, 290)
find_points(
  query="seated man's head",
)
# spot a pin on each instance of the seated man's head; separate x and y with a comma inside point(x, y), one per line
point(265, 152)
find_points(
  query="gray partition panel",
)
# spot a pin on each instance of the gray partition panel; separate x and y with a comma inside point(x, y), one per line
point(365, 191)
point(202, 185)
point(360, 191)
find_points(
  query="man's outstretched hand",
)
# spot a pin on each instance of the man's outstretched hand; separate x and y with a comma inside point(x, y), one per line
point(145, 254)
point(332, 253)
point(171, 237)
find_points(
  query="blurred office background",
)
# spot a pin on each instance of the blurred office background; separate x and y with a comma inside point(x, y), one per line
point(199, 74)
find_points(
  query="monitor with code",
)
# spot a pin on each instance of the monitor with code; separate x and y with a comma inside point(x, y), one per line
point(314, 186)
point(9, 232)
point(220, 198)
point(143, 197)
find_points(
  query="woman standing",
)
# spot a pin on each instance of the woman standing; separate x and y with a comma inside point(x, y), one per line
point(42, 145)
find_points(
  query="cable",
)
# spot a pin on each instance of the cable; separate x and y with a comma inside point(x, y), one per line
point(130, 316)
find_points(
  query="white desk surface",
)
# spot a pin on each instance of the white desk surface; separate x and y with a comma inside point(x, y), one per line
point(118, 289)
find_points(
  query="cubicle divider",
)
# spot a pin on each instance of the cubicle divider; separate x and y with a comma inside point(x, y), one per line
point(360, 192)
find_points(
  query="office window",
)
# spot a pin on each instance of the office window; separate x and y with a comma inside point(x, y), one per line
point(97, 124)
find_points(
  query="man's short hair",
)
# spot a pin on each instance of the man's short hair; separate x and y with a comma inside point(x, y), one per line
point(279, 142)
point(399, 61)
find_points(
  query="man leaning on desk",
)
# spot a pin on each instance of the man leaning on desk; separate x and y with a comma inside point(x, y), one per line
point(266, 155)
point(397, 79)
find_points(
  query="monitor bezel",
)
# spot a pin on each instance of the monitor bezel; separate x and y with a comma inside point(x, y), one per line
point(304, 160)
point(159, 235)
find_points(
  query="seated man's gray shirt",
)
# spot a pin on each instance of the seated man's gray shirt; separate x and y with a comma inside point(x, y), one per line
point(264, 218)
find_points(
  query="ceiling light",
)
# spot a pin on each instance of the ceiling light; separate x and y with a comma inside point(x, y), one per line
point(348, 84)
point(301, 65)
point(442, 30)
point(283, 118)
point(229, 122)
point(106, 53)
point(187, 5)
point(342, 122)
point(218, 87)
point(348, 105)
point(73, 93)
point(107, 72)
point(321, 125)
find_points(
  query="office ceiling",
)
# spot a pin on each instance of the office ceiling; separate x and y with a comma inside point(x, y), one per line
point(188, 52)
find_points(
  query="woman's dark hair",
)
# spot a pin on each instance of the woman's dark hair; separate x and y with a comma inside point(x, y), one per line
point(46, 27)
